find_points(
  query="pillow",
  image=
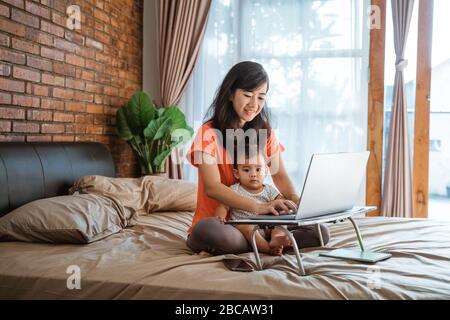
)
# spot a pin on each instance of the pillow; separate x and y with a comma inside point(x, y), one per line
point(142, 195)
point(66, 219)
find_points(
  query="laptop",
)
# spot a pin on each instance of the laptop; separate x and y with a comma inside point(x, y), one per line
point(331, 187)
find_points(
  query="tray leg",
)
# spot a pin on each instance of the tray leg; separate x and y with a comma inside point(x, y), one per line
point(301, 269)
point(358, 233)
point(255, 248)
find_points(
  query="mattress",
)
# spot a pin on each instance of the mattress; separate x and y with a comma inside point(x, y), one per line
point(150, 260)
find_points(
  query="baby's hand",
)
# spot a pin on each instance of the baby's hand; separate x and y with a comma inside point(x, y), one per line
point(221, 219)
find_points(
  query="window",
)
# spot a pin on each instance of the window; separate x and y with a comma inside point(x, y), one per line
point(316, 55)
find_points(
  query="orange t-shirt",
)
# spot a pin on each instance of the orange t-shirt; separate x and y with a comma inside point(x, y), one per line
point(206, 141)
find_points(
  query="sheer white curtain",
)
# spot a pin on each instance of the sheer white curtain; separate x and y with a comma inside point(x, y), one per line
point(316, 56)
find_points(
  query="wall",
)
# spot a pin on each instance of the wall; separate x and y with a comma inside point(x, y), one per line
point(150, 55)
point(58, 84)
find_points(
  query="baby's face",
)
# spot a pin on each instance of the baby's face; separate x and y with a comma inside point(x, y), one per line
point(251, 172)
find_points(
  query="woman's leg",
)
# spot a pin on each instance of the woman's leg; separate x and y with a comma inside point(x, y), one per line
point(216, 238)
point(308, 236)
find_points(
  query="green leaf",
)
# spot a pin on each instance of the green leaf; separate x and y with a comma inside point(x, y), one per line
point(177, 116)
point(140, 112)
point(157, 128)
point(160, 158)
point(123, 129)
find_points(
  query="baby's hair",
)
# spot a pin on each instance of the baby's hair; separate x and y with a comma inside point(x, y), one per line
point(248, 151)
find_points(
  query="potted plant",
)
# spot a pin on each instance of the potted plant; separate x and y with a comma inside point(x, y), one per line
point(152, 132)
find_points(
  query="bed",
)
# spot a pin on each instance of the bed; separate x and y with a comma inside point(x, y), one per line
point(149, 259)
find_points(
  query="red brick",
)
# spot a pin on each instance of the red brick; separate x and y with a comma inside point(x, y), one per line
point(53, 80)
point(102, 37)
point(75, 106)
point(16, 3)
point(62, 93)
point(99, 14)
point(5, 70)
point(59, 19)
point(84, 119)
point(75, 60)
point(59, 5)
point(5, 126)
point(52, 104)
point(5, 98)
point(25, 127)
point(74, 37)
point(38, 63)
point(38, 90)
point(100, 57)
point(4, 11)
point(86, 52)
point(95, 44)
point(99, 25)
point(52, 128)
point(102, 78)
point(37, 10)
point(26, 101)
point(98, 99)
point(100, 119)
point(12, 56)
point(4, 40)
point(38, 36)
point(75, 84)
point(12, 113)
point(39, 115)
point(94, 129)
point(94, 66)
point(26, 46)
point(39, 138)
point(52, 28)
point(87, 75)
point(93, 87)
point(52, 54)
point(65, 45)
point(63, 117)
point(12, 85)
point(12, 138)
point(84, 96)
point(76, 128)
point(62, 138)
point(94, 108)
point(65, 69)
point(26, 74)
point(25, 18)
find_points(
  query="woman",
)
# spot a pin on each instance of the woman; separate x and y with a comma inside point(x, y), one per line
point(239, 106)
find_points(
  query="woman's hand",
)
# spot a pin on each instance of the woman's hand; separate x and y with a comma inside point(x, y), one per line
point(275, 207)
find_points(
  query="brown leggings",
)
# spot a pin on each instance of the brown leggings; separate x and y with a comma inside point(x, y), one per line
point(216, 238)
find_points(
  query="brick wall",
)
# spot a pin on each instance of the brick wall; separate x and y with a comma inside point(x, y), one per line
point(58, 84)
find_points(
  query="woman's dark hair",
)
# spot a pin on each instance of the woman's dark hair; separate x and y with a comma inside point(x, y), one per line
point(246, 75)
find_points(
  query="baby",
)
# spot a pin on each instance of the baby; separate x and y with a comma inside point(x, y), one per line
point(250, 168)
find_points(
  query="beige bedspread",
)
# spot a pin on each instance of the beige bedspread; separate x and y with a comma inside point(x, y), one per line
point(151, 261)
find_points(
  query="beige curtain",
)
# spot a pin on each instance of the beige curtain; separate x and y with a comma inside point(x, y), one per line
point(182, 25)
point(397, 192)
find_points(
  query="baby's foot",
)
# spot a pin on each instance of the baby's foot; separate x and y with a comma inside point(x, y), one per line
point(276, 251)
point(202, 254)
point(279, 241)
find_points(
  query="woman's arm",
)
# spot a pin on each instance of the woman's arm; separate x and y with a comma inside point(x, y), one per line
point(215, 189)
point(281, 179)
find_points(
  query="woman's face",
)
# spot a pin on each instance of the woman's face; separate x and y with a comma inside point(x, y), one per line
point(248, 104)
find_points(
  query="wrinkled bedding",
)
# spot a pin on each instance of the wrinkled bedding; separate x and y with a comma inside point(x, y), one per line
point(149, 260)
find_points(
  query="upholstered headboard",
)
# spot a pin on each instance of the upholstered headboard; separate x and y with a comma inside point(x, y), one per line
point(31, 171)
